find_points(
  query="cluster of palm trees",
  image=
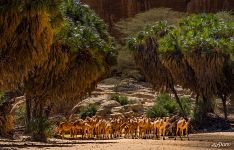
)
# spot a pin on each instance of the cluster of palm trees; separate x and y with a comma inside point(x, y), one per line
point(196, 53)
point(51, 50)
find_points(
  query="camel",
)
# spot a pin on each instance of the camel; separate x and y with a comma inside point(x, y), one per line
point(171, 127)
point(65, 127)
point(78, 127)
point(131, 127)
point(100, 127)
point(156, 127)
point(142, 124)
point(108, 130)
point(182, 125)
point(163, 126)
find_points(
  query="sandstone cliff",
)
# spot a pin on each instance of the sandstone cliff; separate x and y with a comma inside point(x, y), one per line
point(113, 10)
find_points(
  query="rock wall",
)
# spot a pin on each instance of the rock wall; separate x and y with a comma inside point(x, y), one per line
point(209, 5)
point(113, 10)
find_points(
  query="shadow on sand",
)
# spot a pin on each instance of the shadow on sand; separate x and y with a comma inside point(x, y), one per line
point(50, 144)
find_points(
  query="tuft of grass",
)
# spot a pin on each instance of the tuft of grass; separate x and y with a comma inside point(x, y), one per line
point(123, 100)
point(88, 111)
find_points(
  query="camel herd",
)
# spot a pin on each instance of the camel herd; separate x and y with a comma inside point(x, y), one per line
point(141, 127)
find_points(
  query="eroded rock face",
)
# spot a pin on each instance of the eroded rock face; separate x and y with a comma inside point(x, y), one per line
point(138, 94)
point(198, 6)
point(113, 10)
point(105, 108)
point(117, 110)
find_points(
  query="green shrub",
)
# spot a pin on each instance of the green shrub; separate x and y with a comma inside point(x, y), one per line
point(123, 100)
point(88, 111)
point(186, 104)
point(167, 102)
point(156, 111)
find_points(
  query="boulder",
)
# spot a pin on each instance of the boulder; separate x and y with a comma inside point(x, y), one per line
point(144, 95)
point(137, 107)
point(127, 86)
point(127, 108)
point(148, 104)
point(129, 114)
point(117, 115)
point(94, 100)
point(135, 100)
point(110, 104)
point(105, 108)
point(119, 109)
point(103, 112)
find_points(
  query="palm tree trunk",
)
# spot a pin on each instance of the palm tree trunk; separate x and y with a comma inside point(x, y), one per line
point(37, 116)
point(178, 100)
point(224, 100)
point(208, 106)
point(28, 114)
point(196, 103)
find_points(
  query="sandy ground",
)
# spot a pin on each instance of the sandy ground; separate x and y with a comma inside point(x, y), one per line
point(204, 141)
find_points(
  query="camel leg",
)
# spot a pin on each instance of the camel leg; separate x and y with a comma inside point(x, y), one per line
point(176, 133)
point(156, 133)
point(187, 133)
point(159, 133)
point(164, 130)
point(181, 134)
point(63, 134)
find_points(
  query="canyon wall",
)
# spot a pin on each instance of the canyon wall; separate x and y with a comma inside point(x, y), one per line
point(209, 5)
point(113, 10)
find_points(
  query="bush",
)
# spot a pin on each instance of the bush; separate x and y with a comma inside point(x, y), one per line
point(156, 111)
point(164, 104)
point(88, 111)
point(123, 100)
point(186, 105)
point(167, 102)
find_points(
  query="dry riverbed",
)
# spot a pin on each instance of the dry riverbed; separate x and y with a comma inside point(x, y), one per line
point(202, 141)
